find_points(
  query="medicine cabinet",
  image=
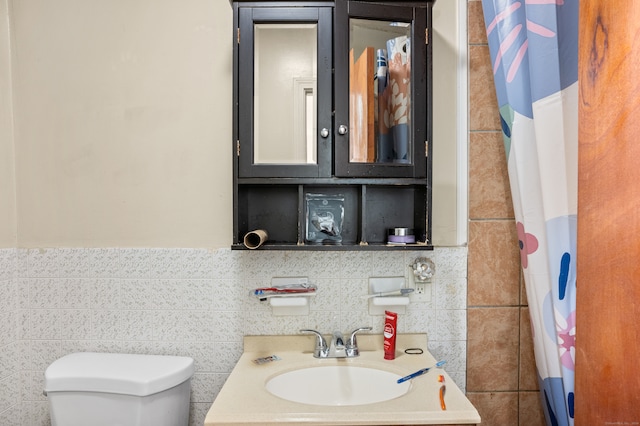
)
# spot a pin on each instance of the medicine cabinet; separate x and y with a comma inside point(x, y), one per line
point(332, 123)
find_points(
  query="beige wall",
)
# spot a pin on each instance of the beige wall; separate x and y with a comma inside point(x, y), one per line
point(123, 123)
point(7, 182)
point(446, 85)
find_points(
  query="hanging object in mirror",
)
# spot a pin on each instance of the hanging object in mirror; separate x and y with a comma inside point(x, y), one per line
point(423, 269)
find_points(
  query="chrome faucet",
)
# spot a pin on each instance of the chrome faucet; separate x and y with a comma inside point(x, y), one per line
point(338, 348)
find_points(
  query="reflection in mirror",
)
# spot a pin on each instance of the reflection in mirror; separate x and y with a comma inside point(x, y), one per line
point(379, 91)
point(285, 74)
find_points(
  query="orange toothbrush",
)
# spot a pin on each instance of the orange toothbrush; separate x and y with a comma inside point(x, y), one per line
point(443, 388)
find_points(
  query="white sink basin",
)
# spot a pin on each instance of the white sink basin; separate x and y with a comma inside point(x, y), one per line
point(337, 385)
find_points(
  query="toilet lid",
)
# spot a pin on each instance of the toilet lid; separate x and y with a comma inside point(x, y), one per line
point(127, 374)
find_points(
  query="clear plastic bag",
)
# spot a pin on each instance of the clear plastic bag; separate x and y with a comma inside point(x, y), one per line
point(324, 217)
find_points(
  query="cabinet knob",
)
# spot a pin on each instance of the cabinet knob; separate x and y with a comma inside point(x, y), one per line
point(342, 129)
point(324, 132)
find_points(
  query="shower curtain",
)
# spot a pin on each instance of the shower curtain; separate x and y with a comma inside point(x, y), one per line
point(534, 51)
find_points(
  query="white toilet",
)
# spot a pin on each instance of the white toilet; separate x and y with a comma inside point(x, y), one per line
point(105, 389)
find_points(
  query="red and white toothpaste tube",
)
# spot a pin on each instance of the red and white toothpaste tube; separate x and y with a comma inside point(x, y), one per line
point(390, 321)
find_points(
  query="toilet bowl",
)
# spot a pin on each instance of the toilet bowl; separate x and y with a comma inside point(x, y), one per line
point(106, 389)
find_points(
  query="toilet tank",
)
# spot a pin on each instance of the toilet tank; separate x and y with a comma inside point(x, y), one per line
point(101, 389)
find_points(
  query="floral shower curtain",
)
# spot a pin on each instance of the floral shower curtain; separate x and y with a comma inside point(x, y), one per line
point(534, 50)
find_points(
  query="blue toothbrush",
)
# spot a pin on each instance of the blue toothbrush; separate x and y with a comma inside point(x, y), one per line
point(421, 372)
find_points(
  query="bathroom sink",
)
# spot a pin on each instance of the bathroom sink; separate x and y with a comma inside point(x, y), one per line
point(337, 385)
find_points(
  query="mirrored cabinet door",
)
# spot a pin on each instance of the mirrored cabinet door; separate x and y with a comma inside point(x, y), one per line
point(284, 86)
point(381, 57)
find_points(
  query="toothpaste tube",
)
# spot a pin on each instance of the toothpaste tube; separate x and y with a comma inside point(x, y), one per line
point(390, 321)
point(266, 359)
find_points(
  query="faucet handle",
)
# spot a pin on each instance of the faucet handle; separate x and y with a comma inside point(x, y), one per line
point(321, 344)
point(352, 342)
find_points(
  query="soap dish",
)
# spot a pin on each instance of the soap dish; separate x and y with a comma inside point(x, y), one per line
point(390, 301)
point(379, 304)
point(290, 305)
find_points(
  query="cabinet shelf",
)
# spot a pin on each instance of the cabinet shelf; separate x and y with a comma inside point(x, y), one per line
point(359, 247)
point(370, 209)
point(331, 181)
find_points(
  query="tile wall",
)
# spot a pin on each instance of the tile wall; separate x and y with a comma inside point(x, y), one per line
point(10, 374)
point(501, 375)
point(194, 302)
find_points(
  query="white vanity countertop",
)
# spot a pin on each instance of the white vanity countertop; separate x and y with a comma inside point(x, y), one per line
point(244, 400)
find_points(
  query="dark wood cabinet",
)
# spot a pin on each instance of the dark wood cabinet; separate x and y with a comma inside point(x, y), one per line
point(332, 123)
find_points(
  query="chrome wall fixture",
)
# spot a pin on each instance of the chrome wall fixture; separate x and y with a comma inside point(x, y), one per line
point(423, 269)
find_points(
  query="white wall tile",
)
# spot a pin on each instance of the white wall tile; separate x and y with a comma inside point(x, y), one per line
point(74, 293)
point(136, 325)
point(354, 264)
point(230, 295)
point(227, 326)
point(205, 386)
point(451, 324)
point(165, 263)
point(328, 297)
point(75, 324)
point(197, 302)
point(8, 326)
point(22, 263)
point(138, 293)
point(10, 359)
point(197, 264)
point(450, 292)
point(350, 296)
point(349, 321)
point(104, 262)
point(198, 412)
point(104, 293)
point(450, 262)
point(44, 324)
point(225, 356)
point(35, 413)
point(417, 321)
point(135, 263)
point(44, 293)
point(324, 321)
point(195, 293)
point(43, 263)
point(384, 264)
point(8, 259)
point(105, 324)
point(11, 416)
point(43, 352)
point(32, 386)
point(73, 262)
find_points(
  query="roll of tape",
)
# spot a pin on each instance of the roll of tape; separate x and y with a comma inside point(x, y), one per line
point(400, 231)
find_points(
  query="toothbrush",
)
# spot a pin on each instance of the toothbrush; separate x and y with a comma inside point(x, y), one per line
point(272, 290)
point(293, 288)
point(443, 389)
point(401, 292)
point(282, 291)
point(421, 372)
